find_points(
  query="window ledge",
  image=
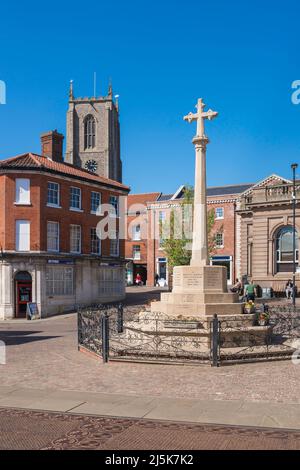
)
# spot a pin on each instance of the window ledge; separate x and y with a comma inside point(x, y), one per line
point(75, 209)
point(220, 247)
point(22, 204)
point(76, 253)
point(114, 216)
point(54, 206)
point(97, 213)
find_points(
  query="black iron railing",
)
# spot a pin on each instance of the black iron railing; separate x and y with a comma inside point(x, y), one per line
point(115, 332)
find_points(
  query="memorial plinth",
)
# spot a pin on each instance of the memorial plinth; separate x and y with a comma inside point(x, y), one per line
point(198, 291)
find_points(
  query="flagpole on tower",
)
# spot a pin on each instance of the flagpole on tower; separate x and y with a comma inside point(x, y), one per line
point(95, 75)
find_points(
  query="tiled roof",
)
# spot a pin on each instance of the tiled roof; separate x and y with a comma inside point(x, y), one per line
point(165, 197)
point(34, 161)
point(226, 190)
point(142, 198)
point(214, 191)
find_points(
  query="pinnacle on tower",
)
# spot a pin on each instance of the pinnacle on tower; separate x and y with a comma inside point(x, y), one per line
point(71, 96)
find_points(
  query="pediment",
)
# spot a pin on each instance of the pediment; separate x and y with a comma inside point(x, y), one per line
point(272, 180)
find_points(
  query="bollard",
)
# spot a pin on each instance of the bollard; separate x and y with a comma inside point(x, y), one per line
point(215, 341)
point(105, 337)
point(79, 321)
point(120, 318)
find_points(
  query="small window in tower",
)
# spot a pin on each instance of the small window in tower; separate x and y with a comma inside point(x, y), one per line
point(89, 132)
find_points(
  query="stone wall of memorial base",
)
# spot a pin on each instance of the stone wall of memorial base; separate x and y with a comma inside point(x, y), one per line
point(59, 288)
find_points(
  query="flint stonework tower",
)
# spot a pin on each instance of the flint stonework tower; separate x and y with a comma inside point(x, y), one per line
point(93, 135)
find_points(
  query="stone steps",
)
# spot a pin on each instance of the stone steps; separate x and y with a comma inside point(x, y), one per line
point(198, 309)
point(202, 298)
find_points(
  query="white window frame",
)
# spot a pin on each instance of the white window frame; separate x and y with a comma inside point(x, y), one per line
point(25, 200)
point(73, 208)
point(53, 250)
point(222, 245)
point(72, 226)
point(136, 235)
point(216, 212)
point(116, 240)
point(136, 252)
point(112, 212)
point(19, 242)
point(98, 211)
point(99, 241)
point(279, 260)
point(111, 281)
point(161, 216)
point(52, 204)
point(62, 284)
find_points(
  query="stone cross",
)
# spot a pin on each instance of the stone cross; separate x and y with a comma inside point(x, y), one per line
point(200, 239)
point(200, 117)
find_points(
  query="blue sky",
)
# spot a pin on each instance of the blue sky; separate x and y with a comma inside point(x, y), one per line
point(240, 56)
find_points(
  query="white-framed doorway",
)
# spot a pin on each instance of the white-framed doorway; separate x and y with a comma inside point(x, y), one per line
point(226, 261)
point(162, 269)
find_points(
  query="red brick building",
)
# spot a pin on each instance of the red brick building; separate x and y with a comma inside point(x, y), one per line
point(136, 247)
point(51, 247)
point(157, 208)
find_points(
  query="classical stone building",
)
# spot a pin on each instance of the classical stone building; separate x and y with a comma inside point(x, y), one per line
point(265, 232)
point(53, 252)
point(93, 135)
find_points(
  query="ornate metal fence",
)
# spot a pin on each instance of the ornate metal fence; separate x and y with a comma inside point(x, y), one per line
point(129, 335)
point(121, 333)
point(158, 337)
point(248, 340)
point(96, 323)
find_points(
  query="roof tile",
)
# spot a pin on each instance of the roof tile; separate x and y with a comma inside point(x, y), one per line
point(32, 160)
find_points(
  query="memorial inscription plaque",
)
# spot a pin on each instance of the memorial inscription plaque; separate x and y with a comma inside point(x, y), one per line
point(192, 280)
point(213, 279)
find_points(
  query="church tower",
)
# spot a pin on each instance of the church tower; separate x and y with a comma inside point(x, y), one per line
point(93, 135)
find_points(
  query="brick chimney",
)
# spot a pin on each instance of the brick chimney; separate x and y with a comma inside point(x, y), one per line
point(52, 145)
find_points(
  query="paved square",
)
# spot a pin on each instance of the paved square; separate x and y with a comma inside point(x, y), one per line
point(43, 355)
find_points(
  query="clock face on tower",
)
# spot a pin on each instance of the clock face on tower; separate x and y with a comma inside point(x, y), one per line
point(91, 165)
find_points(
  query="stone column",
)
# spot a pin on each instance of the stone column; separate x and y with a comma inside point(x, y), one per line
point(200, 238)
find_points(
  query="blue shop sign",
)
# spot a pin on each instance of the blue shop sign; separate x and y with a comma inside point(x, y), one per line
point(60, 261)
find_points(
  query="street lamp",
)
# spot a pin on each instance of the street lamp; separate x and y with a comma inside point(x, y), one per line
point(294, 166)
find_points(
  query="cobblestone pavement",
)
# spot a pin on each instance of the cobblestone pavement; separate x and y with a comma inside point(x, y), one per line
point(26, 429)
point(43, 355)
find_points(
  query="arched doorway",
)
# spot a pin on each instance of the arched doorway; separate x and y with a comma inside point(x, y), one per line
point(23, 293)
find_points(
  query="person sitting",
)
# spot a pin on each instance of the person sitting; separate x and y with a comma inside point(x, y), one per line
point(236, 287)
point(289, 289)
point(138, 280)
